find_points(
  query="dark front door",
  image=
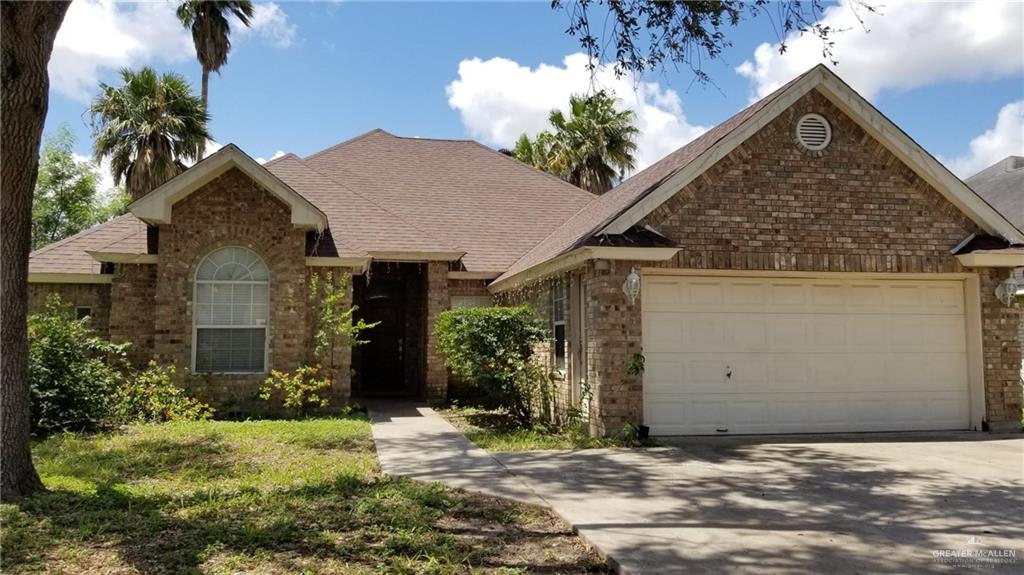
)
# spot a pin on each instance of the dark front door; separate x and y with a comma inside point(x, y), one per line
point(383, 358)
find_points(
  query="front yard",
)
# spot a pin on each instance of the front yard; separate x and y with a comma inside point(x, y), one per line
point(263, 497)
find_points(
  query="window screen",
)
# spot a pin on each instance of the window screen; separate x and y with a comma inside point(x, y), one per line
point(230, 312)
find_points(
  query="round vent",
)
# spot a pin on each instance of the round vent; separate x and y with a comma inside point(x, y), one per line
point(813, 132)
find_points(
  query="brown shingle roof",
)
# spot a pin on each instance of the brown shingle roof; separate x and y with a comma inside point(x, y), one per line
point(1002, 185)
point(487, 204)
point(599, 213)
point(383, 193)
point(123, 234)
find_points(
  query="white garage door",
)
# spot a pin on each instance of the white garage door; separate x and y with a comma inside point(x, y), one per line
point(783, 355)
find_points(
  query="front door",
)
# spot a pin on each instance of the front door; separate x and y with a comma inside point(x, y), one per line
point(383, 358)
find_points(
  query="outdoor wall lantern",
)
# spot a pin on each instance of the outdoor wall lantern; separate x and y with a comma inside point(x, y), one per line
point(1006, 291)
point(631, 287)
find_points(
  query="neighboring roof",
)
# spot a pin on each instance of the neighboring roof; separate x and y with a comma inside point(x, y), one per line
point(1002, 185)
point(125, 234)
point(618, 210)
point(485, 203)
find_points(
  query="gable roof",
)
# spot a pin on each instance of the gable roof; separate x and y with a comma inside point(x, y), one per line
point(485, 203)
point(624, 206)
point(1002, 185)
point(155, 207)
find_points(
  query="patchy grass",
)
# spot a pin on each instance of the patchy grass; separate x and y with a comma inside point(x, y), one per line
point(494, 430)
point(263, 497)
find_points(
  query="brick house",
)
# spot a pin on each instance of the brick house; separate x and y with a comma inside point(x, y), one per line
point(804, 266)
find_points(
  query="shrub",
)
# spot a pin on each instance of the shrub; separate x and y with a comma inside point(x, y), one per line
point(151, 396)
point(492, 348)
point(300, 390)
point(72, 373)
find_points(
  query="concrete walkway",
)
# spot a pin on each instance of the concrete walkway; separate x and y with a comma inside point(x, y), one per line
point(418, 443)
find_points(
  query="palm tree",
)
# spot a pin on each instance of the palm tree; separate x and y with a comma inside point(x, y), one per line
point(211, 33)
point(150, 126)
point(596, 145)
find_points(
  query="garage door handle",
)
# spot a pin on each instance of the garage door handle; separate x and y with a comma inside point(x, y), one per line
point(728, 372)
point(722, 429)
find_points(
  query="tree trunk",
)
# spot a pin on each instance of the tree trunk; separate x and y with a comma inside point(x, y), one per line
point(205, 95)
point(27, 32)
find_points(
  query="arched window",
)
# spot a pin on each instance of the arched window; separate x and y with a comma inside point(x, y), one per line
point(230, 313)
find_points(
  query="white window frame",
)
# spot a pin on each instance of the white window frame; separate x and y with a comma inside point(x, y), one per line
point(195, 327)
point(559, 303)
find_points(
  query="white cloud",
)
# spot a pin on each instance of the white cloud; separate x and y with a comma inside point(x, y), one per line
point(908, 44)
point(277, 154)
point(1006, 138)
point(499, 99)
point(271, 23)
point(105, 35)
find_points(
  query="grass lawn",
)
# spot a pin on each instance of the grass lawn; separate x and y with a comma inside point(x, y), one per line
point(495, 431)
point(263, 497)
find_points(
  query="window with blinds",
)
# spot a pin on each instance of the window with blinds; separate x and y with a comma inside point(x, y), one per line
point(230, 312)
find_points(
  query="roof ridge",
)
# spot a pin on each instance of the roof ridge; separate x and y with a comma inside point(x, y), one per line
point(430, 139)
point(347, 142)
point(279, 158)
point(372, 202)
point(77, 236)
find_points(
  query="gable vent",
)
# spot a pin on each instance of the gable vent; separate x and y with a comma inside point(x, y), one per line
point(813, 132)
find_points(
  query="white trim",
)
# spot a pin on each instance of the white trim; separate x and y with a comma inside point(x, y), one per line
point(577, 257)
point(975, 352)
point(122, 258)
point(457, 275)
point(337, 262)
point(417, 256)
point(808, 275)
point(155, 207)
point(68, 278)
point(869, 118)
point(991, 260)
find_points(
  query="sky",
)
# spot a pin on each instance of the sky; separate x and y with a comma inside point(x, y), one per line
point(307, 75)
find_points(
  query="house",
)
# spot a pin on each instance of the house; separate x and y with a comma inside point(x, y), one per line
point(803, 267)
point(1002, 185)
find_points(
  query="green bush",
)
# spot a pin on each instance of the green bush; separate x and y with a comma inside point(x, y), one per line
point(491, 348)
point(151, 396)
point(300, 390)
point(72, 373)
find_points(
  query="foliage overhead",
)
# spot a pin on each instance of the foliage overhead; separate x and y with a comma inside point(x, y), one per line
point(492, 348)
point(65, 200)
point(211, 30)
point(641, 35)
point(592, 148)
point(150, 126)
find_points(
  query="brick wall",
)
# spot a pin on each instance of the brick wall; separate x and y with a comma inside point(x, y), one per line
point(132, 317)
point(438, 300)
point(1001, 350)
point(94, 296)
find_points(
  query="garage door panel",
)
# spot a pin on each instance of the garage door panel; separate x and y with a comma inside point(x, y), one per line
point(755, 355)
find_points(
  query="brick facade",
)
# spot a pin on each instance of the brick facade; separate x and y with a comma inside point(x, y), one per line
point(132, 316)
point(94, 296)
point(438, 300)
point(770, 205)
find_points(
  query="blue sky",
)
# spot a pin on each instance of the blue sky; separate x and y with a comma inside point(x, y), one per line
point(312, 74)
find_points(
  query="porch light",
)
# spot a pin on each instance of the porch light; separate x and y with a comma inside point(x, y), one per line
point(631, 287)
point(1006, 291)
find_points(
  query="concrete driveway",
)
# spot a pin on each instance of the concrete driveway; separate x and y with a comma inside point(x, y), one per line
point(909, 503)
